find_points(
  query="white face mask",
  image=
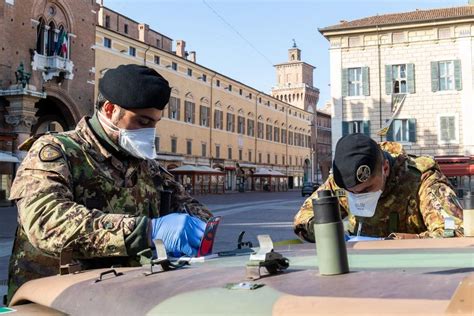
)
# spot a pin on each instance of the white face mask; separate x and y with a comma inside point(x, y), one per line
point(139, 143)
point(363, 204)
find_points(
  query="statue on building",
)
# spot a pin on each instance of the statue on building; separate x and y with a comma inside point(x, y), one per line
point(22, 77)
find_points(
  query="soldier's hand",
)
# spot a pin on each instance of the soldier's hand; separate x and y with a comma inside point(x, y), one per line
point(181, 233)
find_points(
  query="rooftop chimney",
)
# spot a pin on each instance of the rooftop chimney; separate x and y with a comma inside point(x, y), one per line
point(143, 30)
point(192, 56)
point(181, 48)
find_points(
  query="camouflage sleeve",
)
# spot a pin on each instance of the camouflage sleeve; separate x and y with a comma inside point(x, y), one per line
point(181, 199)
point(49, 215)
point(303, 221)
point(437, 201)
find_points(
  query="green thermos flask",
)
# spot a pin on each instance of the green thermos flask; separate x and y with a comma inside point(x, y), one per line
point(329, 235)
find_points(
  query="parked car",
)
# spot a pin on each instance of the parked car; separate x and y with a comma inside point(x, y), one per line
point(308, 188)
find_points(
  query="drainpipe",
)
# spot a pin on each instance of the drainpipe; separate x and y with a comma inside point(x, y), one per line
point(211, 120)
point(144, 58)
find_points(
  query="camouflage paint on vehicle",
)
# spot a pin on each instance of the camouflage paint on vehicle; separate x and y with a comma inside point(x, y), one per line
point(391, 276)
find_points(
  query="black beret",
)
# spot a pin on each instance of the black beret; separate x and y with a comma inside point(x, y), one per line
point(354, 160)
point(135, 87)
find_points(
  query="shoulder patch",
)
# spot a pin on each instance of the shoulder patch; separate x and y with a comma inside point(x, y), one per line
point(424, 163)
point(49, 153)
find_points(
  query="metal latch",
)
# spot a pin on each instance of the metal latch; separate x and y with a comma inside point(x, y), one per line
point(162, 259)
point(66, 264)
point(273, 262)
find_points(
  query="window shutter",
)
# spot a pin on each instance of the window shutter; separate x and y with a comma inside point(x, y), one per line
point(345, 128)
point(221, 119)
point(457, 75)
point(345, 82)
point(178, 108)
point(390, 133)
point(411, 78)
point(193, 112)
point(233, 123)
point(365, 81)
point(215, 118)
point(412, 130)
point(434, 76)
point(366, 128)
point(388, 79)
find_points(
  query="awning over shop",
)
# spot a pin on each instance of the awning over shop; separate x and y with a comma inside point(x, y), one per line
point(268, 172)
point(169, 158)
point(195, 169)
point(6, 157)
point(246, 165)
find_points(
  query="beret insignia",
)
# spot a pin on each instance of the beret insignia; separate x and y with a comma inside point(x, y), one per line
point(49, 153)
point(363, 173)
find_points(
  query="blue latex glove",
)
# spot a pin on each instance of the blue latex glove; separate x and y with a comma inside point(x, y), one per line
point(180, 233)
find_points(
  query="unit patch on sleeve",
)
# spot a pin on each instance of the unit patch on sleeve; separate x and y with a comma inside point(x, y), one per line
point(49, 153)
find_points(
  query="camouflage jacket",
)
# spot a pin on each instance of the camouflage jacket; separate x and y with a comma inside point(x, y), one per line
point(72, 192)
point(416, 199)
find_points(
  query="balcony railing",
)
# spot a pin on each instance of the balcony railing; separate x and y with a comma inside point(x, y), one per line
point(53, 66)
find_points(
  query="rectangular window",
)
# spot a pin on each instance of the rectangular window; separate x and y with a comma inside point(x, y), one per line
point(218, 83)
point(250, 128)
point(203, 150)
point(355, 81)
point(290, 138)
point(218, 151)
point(283, 136)
point(190, 72)
point(157, 60)
point(276, 134)
point(132, 51)
point(291, 160)
point(447, 129)
point(260, 130)
point(352, 127)
point(446, 75)
point(283, 160)
point(218, 119)
point(189, 112)
point(230, 122)
point(250, 155)
point(259, 157)
point(174, 145)
point(240, 91)
point(229, 88)
point(107, 21)
point(229, 153)
point(125, 28)
point(240, 125)
point(158, 43)
point(250, 96)
point(269, 132)
point(174, 108)
point(268, 158)
point(107, 42)
point(204, 77)
point(174, 66)
point(189, 147)
point(204, 115)
point(276, 159)
point(240, 155)
point(402, 130)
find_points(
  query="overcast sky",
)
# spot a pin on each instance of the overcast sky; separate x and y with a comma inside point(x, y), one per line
point(244, 39)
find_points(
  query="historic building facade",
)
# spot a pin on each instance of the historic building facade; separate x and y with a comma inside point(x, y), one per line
point(46, 72)
point(406, 77)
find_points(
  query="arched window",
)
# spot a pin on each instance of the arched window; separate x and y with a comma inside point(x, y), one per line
point(51, 39)
point(40, 37)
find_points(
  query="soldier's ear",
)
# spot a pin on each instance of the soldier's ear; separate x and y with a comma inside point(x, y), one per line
point(108, 109)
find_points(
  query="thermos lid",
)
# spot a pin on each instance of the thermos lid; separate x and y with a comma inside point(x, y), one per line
point(326, 208)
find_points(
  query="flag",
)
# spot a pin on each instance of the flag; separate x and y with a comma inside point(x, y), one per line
point(61, 47)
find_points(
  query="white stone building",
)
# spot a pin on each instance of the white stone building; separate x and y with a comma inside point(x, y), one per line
point(415, 68)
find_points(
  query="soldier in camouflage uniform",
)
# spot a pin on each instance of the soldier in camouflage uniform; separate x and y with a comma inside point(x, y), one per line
point(81, 190)
point(416, 198)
